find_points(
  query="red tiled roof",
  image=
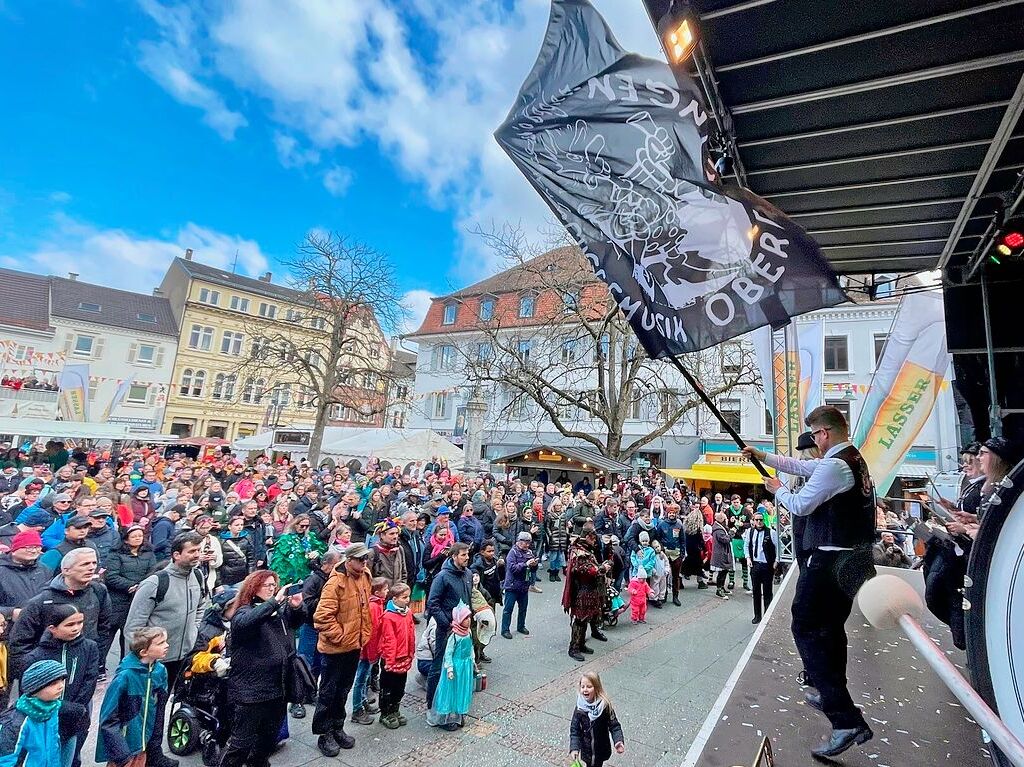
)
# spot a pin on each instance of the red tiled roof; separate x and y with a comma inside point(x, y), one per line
point(24, 300)
point(506, 288)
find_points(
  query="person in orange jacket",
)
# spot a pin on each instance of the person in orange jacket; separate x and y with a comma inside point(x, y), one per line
point(397, 648)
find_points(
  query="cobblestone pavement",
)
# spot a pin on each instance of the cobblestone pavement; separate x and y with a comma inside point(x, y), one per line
point(663, 678)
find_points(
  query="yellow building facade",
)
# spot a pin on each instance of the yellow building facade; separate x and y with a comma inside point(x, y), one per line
point(212, 393)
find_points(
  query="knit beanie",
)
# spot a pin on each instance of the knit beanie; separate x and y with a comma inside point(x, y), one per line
point(24, 539)
point(40, 674)
point(641, 574)
point(644, 539)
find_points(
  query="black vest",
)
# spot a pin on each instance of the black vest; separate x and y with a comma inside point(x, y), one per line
point(846, 520)
point(767, 546)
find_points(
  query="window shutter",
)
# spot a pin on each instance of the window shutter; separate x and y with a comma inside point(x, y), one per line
point(151, 397)
point(97, 349)
point(69, 340)
point(133, 352)
point(159, 356)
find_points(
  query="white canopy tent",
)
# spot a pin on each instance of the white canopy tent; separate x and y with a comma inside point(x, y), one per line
point(398, 446)
point(40, 427)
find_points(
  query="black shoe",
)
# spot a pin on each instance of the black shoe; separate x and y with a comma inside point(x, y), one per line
point(755, 621)
point(362, 716)
point(553, 577)
point(484, 658)
point(813, 700)
point(657, 604)
point(840, 740)
point(676, 602)
point(524, 632)
point(575, 655)
point(506, 634)
point(599, 636)
point(586, 650)
point(328, 745)
point(702, 585)
point(162, 761)
point(344, 740)
point(297, 710)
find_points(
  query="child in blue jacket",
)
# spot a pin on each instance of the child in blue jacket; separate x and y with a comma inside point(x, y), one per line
point(127, 716)
point(31, 730)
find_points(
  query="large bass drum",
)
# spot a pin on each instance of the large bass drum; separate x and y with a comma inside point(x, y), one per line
point(994, 606)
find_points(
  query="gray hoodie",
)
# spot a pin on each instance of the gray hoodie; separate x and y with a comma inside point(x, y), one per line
point(180, 612)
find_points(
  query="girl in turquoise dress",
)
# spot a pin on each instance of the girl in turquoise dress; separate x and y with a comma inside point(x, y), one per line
point(455, 690)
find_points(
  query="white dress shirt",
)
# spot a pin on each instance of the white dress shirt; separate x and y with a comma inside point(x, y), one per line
point(753, 540)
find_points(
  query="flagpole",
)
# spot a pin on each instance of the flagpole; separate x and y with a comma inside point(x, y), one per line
point(717, 413)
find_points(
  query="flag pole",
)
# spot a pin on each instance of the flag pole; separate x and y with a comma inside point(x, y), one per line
point(717, 413)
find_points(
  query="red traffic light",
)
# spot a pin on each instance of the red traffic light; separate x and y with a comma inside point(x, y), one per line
point(1013, 240)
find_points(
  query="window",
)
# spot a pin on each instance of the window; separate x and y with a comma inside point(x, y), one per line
point(143, 317)
point(731, 356)
point(569, 350)
point(207, 296)
point(401, 392)
point(218, 386)
point(836, 355)
point(293, 315)
point(843, 406)
point(667, 404)
point(231, 343)
point(145, 354)
point(636, 409)
point(730, 409)
point(450, 310)
point(268, 310)
point(281, 395)
point(23, 353)
point(769, 422)
point(261, 389)
point(239, 304)
point(527, 305)
point(317, 323)
point(200, 338)
point(444, 357)
point(486, 309)
point(442, 405)
point(137, 394)
point(94, 386)
point(879, 346)
point(484, 352)
point(570, 301)
point(83, 346)
point(247, 391)
point(89, 307)
point(601, 348)
point(374, 353)
point(305, 397)
point(398, 419)
point(192, 382)
point(523, 347)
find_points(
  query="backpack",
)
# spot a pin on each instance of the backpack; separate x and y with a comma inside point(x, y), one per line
point(163, 582)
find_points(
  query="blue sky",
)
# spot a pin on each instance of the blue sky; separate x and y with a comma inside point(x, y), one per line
point(135, 129)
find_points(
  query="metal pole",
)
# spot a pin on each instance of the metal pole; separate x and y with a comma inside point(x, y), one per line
point(1012, 748)
point(995, 422)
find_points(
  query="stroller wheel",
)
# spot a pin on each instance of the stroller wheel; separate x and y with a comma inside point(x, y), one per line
point(612, 620)
point(183, 733)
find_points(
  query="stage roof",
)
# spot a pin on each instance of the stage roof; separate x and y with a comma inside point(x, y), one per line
point(886, 128)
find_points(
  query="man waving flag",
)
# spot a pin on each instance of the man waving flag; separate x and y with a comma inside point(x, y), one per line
point(615, 146)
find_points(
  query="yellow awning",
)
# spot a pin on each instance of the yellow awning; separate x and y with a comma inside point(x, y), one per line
point(715, 472)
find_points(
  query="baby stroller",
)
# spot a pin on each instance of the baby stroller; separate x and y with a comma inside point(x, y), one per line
point(201, 717)
point(613, 604)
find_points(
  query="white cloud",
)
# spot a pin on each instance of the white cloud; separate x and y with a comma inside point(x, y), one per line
point(426, 81)
point(291, 154)
point(416, 304)
point(176, 66)
point(122, 259)
point(61, 198)
point(337, 180)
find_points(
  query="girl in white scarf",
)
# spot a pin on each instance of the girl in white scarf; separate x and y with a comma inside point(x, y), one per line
point(594, 728)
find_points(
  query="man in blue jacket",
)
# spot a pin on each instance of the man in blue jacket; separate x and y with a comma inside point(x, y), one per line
point(520, 563)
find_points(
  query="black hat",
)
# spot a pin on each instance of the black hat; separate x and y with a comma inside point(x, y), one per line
point(79, 522)
point(1004, 448)
point(972, 449)
point(805, 441)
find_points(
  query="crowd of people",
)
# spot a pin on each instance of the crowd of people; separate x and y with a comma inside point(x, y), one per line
point(267, 578)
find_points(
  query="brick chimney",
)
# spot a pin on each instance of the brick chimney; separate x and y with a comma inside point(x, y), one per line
point(266, 277)
point(188, 254)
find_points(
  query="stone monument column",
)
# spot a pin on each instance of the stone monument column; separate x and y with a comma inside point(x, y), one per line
point(476, 408)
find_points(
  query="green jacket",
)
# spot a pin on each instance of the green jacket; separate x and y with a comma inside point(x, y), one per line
point(289, 560)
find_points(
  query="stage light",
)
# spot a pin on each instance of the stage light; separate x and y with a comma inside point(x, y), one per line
point(679, 32)
point(1004, 249)
point(1013, 240)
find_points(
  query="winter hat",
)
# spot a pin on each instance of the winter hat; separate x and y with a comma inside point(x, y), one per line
point(25, 539)
point(524, 536)
point(40, 674)
point(37, 518)
point(79, 522)
point(644, 538)
point(1004, 448)
point(641, 574)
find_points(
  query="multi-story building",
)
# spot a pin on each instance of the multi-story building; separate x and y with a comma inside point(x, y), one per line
point(215, 392)
point(504, 314)
point(124, 343)
point(400, 386)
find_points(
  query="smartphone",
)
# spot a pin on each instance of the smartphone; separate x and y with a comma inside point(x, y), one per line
point(295, 588)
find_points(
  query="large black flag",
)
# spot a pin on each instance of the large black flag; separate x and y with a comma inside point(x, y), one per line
point(615, 146)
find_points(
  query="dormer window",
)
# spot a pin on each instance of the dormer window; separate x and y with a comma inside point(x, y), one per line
point(450, 310)
point(487, 308)
point(88, 307)
point(143, 317)
point(527, 305)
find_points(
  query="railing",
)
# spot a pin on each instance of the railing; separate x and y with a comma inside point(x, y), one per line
point(28, 395)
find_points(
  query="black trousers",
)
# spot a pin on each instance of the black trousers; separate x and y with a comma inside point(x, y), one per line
point(440, 642)
point(154, 748)
point(676, 568)
point(336, 677)
point(761, 575)
point(578, 631)
point(824, 597)
point(254, 733)
point(392, 690)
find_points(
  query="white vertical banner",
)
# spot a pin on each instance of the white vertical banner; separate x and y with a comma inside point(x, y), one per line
point(811, 349)
point(762, 341)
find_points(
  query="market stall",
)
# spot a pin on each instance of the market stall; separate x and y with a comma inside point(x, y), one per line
point(562, 464)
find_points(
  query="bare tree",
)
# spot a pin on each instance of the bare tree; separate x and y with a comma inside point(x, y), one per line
point(572, 359)
point(331, 343)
